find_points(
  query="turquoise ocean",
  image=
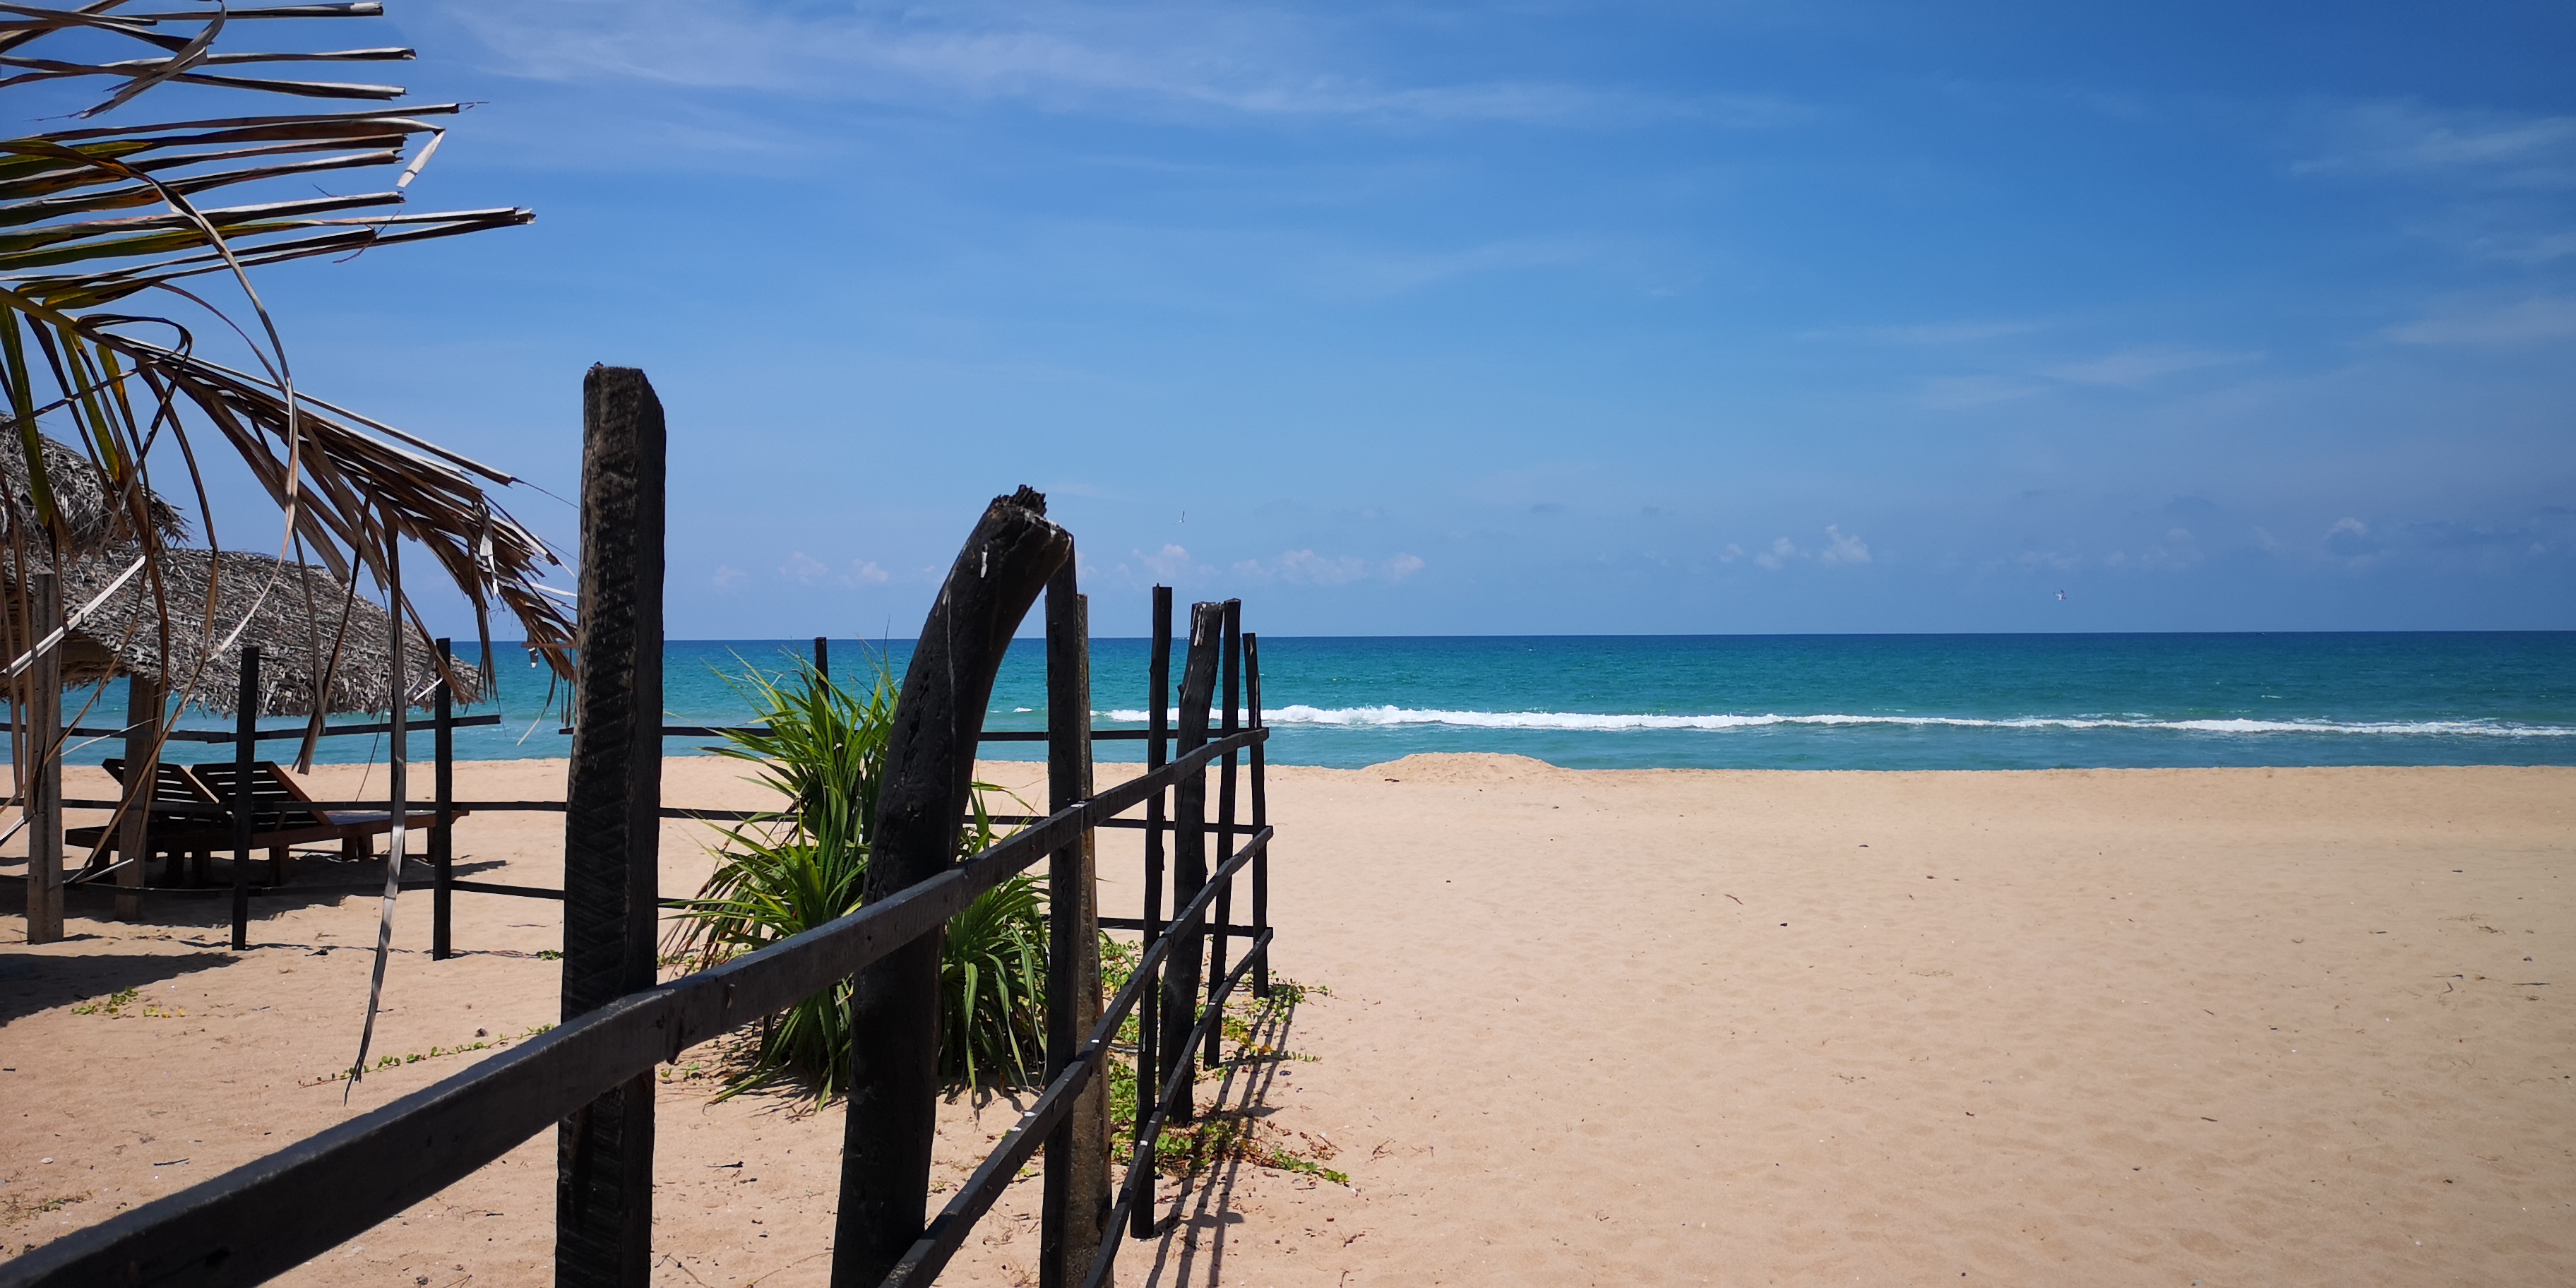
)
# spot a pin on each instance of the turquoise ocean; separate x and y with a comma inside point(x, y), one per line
point(1732, 701)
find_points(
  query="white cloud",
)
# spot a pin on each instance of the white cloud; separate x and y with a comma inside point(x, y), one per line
point(1732, 553)
point(1961, 393)
point(1236, 59)
point(1781, 552)
point(803, 568)
point(728, 577)
point(2131, 368)
point(1403, 566)
point(1840, 548)
point(865, 572)
point(1925, 333)
point(1309, 568)
point(2528, 322)
point(1171, 563)
point(2490, 148)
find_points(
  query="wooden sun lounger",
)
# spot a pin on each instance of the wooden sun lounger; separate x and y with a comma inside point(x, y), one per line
point(185, 837)
point(281, 816)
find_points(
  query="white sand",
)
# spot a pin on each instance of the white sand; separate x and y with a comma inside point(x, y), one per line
point(2239, 1026)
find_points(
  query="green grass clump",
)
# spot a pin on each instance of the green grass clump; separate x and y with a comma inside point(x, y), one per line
point(1222, 1133)
point(115, 1005)
point(824, 750)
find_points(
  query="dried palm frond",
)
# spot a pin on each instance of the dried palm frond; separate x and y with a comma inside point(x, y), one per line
point(101, 215)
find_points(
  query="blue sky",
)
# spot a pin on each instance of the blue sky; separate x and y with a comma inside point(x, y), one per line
point(1528, 318)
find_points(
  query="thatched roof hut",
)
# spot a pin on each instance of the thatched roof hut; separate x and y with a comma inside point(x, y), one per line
point(305, 621)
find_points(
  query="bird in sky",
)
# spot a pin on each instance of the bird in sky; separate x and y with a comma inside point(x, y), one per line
point(2061, 594)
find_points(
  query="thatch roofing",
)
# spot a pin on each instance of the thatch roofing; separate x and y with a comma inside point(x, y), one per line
point(301, 618)
point(94, 516)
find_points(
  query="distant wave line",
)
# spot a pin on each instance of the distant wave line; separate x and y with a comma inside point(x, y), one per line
point(1364, 717)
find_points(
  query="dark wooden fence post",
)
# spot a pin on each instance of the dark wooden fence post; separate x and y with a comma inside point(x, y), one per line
point(1076, 1202)
point(1222, 913)
point(1260, 809)
point(822, 657)
point(612, 825)
point(442, 836)
point(1158, 727)
point(142, 768)
point(929, 768)
point(43, 764)
point(245, 751)
point(1189, 859)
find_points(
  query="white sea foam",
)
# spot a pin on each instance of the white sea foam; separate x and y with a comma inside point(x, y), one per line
point(1587, 721)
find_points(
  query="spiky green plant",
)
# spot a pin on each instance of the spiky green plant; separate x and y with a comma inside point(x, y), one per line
point(824, 751)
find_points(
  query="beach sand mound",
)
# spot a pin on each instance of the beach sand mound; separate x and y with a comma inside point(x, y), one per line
point(1475, 769)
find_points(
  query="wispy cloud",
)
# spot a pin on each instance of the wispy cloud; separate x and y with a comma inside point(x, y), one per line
point(2524, 322)
point(804, 569)
point(1229, 59)
point(1307, 568)
point(1840, 548)
point(1924, 333)
point(2412, 140)
point(1964, 393)
point(1171, 564)
point(2133, 368)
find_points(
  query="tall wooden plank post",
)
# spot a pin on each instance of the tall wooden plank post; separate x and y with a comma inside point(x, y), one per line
point(43, 763)
point(921, 809)
point(1075, 1211)
point(442, 843)
point(142, 768)
point(1149, 1063)
point(1260, 811)
point(245, 751)
point(1189, 859)
point(1222, 913)
point(612, 808)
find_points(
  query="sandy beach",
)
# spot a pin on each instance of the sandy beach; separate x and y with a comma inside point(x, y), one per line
point(2238, 1026)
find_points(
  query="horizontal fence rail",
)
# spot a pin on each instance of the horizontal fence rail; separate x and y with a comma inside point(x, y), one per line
point(266, 1217)
point(275, 735)
point(947, 1231)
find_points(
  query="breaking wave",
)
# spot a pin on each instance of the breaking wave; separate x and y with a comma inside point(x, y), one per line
point(1578, 720)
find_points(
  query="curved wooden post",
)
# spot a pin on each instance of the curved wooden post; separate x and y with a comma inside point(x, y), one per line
point(929, 767)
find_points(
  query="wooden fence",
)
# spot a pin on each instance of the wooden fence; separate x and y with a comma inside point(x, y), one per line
point(591, 1077)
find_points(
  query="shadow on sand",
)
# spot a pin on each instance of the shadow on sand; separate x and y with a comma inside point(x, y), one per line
point(1202, 1215)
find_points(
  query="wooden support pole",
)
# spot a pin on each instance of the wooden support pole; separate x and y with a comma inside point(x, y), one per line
point(1260, 810)
point(1190, 858)
point(822, 657)
point(142, 769)
point(921, 807)
point(442, 833)
point(612, 825)
point(245, 750)
point(1223, 912)
point(42, 793)
point(1148, 1023)
point(1075, 1210)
